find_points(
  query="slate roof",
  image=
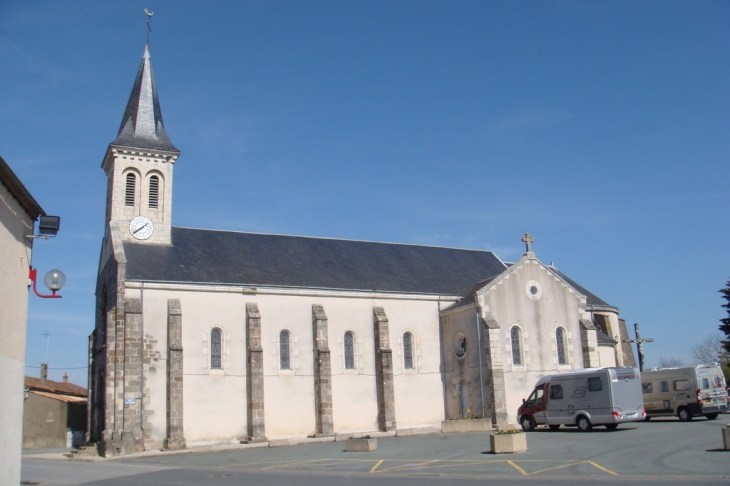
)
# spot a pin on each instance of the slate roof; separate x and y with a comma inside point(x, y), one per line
point(55, 387)
point(591, 299)
point(142, 125)
point(19, 192)
point(227, 257)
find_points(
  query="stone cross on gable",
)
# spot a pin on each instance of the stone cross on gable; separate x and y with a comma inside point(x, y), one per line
point(527, 239)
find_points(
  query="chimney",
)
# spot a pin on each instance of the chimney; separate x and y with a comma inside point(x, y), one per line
point(44, 374)
point(65, 377)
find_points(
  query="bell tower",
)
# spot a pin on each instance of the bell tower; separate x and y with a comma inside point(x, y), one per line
point(138, 165)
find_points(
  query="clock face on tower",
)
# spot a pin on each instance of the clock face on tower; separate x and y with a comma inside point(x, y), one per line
point(141, 227)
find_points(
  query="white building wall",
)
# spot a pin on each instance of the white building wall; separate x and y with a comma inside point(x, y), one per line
point(607, 356)
point(510, 303)
point(215, 400)
point(15, 224)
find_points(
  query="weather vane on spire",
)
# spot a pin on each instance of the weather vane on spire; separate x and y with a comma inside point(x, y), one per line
point(149, 18)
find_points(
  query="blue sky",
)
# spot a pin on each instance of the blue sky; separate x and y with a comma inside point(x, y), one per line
point(599, 127)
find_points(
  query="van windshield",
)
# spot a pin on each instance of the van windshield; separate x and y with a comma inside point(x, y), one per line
point(535, 397)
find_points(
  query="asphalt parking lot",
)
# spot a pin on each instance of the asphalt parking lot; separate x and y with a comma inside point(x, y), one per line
point(655, 452)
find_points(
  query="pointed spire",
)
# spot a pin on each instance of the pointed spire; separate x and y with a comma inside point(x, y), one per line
point(142, 125)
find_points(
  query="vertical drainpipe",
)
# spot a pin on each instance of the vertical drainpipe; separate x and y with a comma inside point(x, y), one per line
point(479, 344)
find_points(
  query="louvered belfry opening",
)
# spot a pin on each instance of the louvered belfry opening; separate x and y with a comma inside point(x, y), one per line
point(130, 190)
point(154, 191)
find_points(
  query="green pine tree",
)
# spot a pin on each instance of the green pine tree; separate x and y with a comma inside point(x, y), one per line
point(725, 326)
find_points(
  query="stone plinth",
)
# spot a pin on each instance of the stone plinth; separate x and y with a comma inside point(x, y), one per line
point(508, 443)
point(726, 437)
point(361, 445)
point(466, 425)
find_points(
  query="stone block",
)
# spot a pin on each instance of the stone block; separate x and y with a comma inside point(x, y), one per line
point(361, 445)
point(280, 442)
point(726, 437)
point(508, 443)
point(466, 425)
point(419, 431)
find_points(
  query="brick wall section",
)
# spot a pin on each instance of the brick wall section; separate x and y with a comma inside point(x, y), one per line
point(626, 349)
point(132, 438)
point(384, 371)
point(175, 436)
point(151, 356)
point(589, 342)
point(255, 375)
point(494, 379)
point(322, 373)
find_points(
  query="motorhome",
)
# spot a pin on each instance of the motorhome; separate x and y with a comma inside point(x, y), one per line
point(603, 396)
point(687, 391)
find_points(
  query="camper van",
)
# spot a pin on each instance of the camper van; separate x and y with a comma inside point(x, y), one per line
point(686, 392)
point(604, 396)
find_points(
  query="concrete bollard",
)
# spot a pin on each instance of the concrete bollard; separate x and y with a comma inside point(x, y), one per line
point(726, 437)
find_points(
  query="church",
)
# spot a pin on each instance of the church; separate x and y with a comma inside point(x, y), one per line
point(207, 337)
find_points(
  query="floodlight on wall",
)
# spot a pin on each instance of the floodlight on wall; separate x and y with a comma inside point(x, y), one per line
point(48, 226)
point(54, 280)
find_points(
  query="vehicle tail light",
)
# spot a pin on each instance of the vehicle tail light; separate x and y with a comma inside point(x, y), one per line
point(643, 412)
point(699, 396)
point(616, 414)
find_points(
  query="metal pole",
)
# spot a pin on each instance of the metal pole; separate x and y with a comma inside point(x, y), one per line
point(481, 379)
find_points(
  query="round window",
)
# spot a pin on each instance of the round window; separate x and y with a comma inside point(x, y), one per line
point(460, 344)
point(533, 289)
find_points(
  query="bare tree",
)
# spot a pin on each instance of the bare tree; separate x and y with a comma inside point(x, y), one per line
point(710, 350)
point(671, 362)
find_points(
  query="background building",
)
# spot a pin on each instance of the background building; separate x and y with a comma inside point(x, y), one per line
point(54, 414)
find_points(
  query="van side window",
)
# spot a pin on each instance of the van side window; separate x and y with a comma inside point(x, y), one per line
point(665, 386)
point(681, 385)
point(705, 383)
point(595, 384)
point(556, 392)
point(648, 387)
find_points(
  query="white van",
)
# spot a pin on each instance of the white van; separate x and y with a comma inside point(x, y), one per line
point(686, 392)
point(603, 396)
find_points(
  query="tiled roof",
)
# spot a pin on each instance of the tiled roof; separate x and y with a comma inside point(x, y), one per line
point(228, 257)
point(591, 299)
point(58, 396)
point(55, 387)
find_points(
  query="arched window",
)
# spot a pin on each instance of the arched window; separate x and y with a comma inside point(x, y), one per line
point(516, 346)
point(154, 191)
point(349, 351)
point(408, 351)
point(560, 342)
point(130, 189)
point(284, 350)
point(215, 349)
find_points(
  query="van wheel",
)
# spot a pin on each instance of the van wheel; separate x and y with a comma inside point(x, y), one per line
point(584, 424)
point(647, 418)
point(711, 416)
point(684, 415)
point(527, 423)
point(611, 426)
point(554, 426)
